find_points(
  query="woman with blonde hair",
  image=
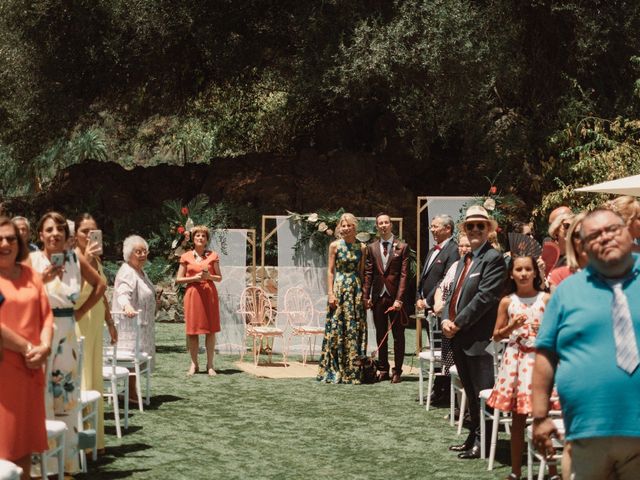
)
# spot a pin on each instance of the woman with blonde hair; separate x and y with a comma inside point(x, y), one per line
point(575, 254)
point(199, 268)
point(345, 337)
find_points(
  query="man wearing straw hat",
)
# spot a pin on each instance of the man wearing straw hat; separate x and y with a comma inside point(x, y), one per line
point(469, 317)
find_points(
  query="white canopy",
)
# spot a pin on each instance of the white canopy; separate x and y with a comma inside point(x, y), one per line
point(621, 186)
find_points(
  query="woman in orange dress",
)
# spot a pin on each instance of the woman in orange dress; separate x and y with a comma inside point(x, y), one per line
point(198, 269)
point(26, 324)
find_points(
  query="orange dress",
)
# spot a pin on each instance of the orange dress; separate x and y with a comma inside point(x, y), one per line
point(201, 307)
point(25, 311)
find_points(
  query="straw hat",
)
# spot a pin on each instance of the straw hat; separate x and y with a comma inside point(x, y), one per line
point(476, 213)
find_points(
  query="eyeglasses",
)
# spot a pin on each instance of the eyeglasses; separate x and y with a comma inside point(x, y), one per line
point(11, 239)
point(471, 225)
point(566, 225)
point(141, 251)
point(611, 230)
point(529, 234)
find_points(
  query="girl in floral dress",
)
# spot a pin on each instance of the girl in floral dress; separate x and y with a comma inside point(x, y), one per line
point(519, 317)
point(345, 337)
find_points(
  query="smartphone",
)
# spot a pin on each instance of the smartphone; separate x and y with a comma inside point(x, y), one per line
point(57, 259)
point(95, 236)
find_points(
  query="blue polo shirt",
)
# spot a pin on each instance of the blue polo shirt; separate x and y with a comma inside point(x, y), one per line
point(598, 398)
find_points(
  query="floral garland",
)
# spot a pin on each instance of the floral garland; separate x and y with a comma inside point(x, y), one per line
point(321, 228)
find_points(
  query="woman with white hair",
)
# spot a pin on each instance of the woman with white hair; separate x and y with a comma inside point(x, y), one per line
point(134, 294)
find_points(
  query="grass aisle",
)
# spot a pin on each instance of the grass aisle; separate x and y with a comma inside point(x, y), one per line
point(236, 426)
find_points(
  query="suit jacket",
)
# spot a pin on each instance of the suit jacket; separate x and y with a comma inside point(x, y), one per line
point(433, 275)
point(394, 277)
point(479, 298)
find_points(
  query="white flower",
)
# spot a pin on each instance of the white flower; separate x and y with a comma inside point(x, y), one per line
point(328, 231)
point(363, 237)
point(189, 224)
point(312, 218)
point(322, 227)
point(490, 204)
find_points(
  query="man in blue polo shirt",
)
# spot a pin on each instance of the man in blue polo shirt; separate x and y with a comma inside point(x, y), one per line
point(588, 341)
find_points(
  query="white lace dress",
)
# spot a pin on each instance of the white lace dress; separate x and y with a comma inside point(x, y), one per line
point(135, 289)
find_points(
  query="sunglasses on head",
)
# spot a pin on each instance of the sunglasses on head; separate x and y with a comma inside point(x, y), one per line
point(471, 225)
point(566, 225)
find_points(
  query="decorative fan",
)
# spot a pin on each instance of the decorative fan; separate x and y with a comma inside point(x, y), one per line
point(550, 255)
point(523, 245)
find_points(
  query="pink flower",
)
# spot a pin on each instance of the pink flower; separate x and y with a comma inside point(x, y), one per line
point(184, 211)
point(180, 229)
point(493, 190)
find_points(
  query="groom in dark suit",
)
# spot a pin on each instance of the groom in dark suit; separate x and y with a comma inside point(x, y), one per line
point(385, 280)
point(469, 317)
point(436, 264)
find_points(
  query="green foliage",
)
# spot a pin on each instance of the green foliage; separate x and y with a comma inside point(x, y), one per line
point(594, 151)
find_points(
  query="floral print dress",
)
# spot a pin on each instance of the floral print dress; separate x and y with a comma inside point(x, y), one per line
point(63, 388)
point(345, 337)
point(512, 390)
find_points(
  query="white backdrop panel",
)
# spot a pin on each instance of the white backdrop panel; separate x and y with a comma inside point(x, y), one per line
point(233, 266)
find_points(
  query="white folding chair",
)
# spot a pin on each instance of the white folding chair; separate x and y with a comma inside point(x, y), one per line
point(433, 357)
point(116, 382)
point(301, 317)
point(532, 454)
point(87, 438)
point(457, 394)
point(497, 417)
point(56, 431)
point(9, 470)
point(136, 359)
point(257, 312)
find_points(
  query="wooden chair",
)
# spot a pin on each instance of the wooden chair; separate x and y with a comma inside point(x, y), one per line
point(56, 431)
point(532, 454)
point(87, 438)
point(257, 312)
point(302, 319)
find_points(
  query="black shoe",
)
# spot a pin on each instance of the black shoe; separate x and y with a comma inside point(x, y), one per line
point(440, 400)
point(473, 452)
point(463, 447)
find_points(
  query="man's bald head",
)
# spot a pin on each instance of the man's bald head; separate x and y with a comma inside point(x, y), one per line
point(557, 212)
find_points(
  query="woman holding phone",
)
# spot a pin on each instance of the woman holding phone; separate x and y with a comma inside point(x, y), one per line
point(63, 272)
point(198, 269)
point(26, 327)
point(90, 326)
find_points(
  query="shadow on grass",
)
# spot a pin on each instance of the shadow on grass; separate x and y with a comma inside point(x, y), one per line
point(158, 400)
point(170, 349)
point(109, 430)
point(111, 455)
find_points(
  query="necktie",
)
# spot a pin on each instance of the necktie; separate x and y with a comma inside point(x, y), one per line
point(456, 292)
point(623, 332)
point(385, 248)
point(437, 247)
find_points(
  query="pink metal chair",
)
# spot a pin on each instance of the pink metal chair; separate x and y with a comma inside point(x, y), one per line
point(257, 311)
point(302, 318)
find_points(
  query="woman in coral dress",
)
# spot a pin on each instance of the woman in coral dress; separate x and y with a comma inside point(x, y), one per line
point(26, 325)
point(198, 269)
point(345, 337)
point(519, 317)
point(62, 284)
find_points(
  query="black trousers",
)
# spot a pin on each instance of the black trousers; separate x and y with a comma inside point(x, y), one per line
point(476, 374)
point(380, 305)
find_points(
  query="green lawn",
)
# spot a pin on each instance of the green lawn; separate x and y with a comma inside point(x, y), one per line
point(236, 426)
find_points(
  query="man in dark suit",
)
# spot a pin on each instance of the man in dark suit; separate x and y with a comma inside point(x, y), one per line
point(469, 317)
point(436, 264)
point(385, 280)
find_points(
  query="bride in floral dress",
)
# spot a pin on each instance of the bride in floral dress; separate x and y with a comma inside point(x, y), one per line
point(345, 337)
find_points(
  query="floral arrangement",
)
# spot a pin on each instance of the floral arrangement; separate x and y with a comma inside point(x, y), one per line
point(504, 209)
point(321, 228)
